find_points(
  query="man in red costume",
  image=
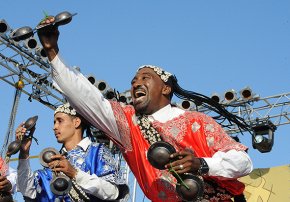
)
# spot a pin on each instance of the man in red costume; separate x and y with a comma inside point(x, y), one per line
point(203, 146)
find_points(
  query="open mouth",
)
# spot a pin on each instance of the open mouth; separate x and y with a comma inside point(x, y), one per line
point(139, 95)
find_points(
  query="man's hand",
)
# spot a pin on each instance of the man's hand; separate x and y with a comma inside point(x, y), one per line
point(25, 140)
point(60, 164)
point(5, 185)
point(184, 162)
point(48, 36)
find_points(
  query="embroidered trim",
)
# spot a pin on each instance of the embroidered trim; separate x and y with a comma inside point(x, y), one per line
point(124, 140)
point(149, 133)
point(67, 109)
point(77, 194)
point(164, 75)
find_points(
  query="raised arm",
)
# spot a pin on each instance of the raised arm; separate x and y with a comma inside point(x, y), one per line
point(80, 93)
point(25, 176)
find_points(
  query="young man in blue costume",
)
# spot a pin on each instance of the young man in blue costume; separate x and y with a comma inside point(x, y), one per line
point(90, 165)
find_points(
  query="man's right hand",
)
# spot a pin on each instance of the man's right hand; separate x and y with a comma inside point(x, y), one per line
point(48, 36)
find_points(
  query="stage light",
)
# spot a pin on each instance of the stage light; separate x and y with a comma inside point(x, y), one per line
point(263, 137)
point(102, 85)
point(246, 93)
point(109, 94)
point(128, 96)
point(230, 96)
point(41, 53)
point(92, 79)
point(216, 97)
point(123, 98)
point(4, 27)
point(187, 105)
point(30, 43)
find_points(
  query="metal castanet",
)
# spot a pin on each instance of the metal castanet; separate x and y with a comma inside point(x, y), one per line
point(159, 154)
point(26, 32)
point(45, 156)
point(60, 184)
point(189, 187)
point(193, 191)
point(15, 145)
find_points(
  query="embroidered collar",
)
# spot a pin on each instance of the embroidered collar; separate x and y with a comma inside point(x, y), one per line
point(84, 144)
point(166, 113)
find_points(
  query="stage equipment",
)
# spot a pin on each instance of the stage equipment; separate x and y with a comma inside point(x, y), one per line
point(30, 43)
point(122, 98)
point(41, 53)
point(263, 137)
point(4, 27)
point(27, 32)
point(189, 187)
point(187, 105)
point(110, 94)
point(60, 184)
point(102, 85)
point(91, 79)
point(230, 96)
point(247, 94)
point(216, 97)
point(128, 96)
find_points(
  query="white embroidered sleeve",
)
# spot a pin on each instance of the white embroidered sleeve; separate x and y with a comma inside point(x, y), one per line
point(231, 164)
point(96, 186)
point(25, 179)
point(85, 98)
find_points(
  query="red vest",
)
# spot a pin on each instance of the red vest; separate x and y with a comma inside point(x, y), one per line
point(192, 130)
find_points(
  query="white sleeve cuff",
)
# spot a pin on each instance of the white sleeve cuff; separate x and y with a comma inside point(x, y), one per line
point(231, 164)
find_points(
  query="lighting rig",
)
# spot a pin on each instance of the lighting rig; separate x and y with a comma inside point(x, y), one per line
point(263, 137)
point(27, 66)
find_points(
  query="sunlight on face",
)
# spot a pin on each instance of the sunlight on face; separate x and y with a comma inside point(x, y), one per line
point(64, 127)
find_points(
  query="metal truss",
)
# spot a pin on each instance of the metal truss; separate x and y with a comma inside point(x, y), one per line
point(18, 63)
point(275, 108)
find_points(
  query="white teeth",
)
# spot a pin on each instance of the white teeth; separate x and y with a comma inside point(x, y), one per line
point(139, 93)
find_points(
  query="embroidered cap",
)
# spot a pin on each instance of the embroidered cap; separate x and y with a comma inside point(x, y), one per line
point(164, 75)
point(67, 109)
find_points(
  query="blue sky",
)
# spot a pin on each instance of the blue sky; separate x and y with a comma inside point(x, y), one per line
point(211, 46)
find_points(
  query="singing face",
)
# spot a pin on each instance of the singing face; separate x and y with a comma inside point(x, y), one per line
point(65, 127)
point(148, 92)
